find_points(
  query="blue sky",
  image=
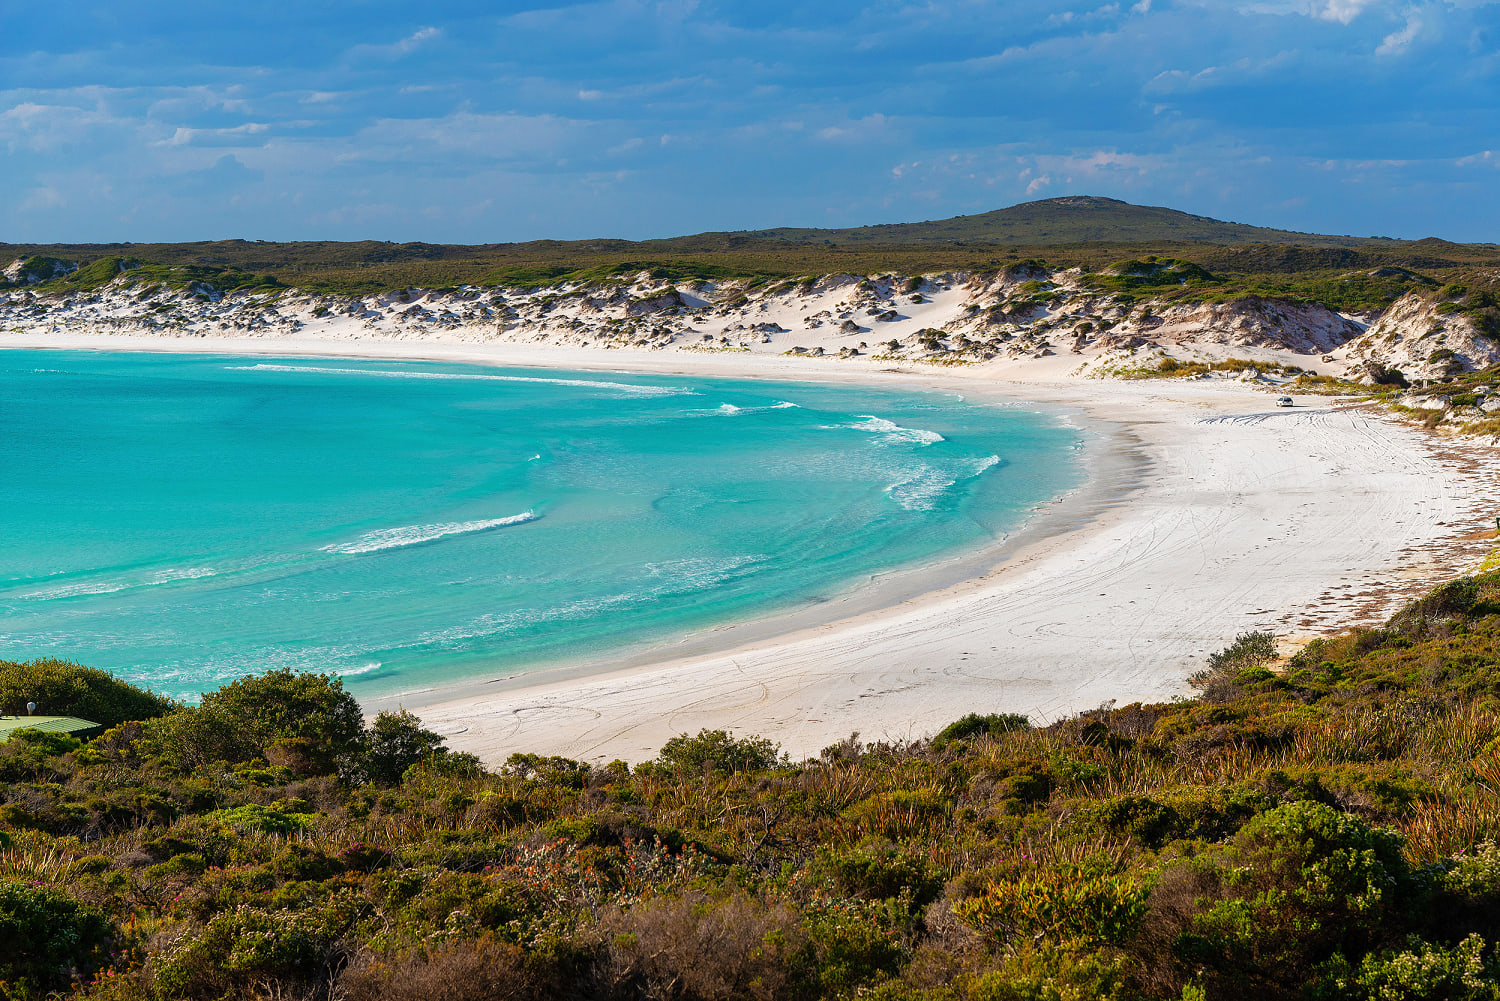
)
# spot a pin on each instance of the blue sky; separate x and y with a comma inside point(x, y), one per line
point(467, 122)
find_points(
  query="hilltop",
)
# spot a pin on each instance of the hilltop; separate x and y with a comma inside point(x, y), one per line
point(1069, 219)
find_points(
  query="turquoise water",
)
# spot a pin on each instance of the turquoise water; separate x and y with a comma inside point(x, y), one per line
point(186, 519)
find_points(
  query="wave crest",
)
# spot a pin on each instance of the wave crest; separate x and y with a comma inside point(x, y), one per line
point(889, 432)
point(920, 491)
point(411, 535)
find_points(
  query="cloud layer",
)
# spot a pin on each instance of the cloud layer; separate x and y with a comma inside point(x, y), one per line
point(638, 119)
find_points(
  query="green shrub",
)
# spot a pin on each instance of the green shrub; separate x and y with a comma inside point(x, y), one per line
point(1044, 971)
point(877, 870)
point(266, 820)
point(1297, 884)
point(1469, 971)
point(976, 725)
point(1065, 904)
point(1235, 666)
point(241, 947)
point(397, 741)
point(195, 736)
point(309, 714)
point(46, 938)
point(716, 750)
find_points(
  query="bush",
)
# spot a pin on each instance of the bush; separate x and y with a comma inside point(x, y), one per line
point(195, 736)
point(241, 947)
point(46, 938)
point(398, 741)
point(1235, 665)
point(1443, 602)
point(975, 725)
point(1046, 972)
point(1068, 904)
point(1298, 884)
point(877, 870)
point(62, 688)
point(716, 750)
point(311, 710)
point(704, 949)
point(1422, 972)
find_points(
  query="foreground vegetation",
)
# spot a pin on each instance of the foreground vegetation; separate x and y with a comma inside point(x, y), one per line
point(1319, 828)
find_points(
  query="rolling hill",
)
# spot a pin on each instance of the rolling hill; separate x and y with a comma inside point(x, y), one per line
point(1070, 219)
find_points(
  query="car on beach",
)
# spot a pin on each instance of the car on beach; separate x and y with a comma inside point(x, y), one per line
point(1284, 401)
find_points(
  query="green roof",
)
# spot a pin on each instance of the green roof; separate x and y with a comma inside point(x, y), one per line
point(51, 724)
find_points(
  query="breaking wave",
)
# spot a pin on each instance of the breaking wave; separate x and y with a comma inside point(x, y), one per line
point(889, 432)
point(411, 535)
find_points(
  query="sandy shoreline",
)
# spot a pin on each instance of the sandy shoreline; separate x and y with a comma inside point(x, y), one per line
point(1239, 516)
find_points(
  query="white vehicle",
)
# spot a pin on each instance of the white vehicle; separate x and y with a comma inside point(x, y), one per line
point(1284, 401)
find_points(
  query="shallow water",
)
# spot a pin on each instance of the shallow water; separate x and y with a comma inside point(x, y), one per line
point(186, 519)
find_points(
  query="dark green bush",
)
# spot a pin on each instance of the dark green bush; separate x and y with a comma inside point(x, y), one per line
point(1297, 885)
point(314, 722)
point(397, 741)
point(716, 750)
point(976, 725)
point(47, 939)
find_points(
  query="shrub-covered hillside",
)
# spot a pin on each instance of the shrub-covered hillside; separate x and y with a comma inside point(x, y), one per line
point(1322, 828)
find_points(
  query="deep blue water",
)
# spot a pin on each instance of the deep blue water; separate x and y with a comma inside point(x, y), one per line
point(185, 519)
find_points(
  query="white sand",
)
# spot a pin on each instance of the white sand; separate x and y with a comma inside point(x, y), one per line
point(1227, 515)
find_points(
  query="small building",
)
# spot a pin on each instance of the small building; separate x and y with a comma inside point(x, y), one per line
point(72, 725)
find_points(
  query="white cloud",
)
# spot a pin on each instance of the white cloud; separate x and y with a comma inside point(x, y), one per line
point(1342, 11)
point(399, 48)
point(49, 127)
point(416, 38)
point(209, 137)
point(1397, 42)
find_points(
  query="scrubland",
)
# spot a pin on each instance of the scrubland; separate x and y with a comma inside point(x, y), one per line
point(1319, 826)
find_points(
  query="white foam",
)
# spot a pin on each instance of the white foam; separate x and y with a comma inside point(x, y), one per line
point(355, 672)
point(889, 432)
point(411, 535)
point(111, 586)
point(920, 491)
point(623, 387)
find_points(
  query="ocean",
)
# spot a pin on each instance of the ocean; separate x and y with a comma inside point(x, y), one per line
point(185, 519)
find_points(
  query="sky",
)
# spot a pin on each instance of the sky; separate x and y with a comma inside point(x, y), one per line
point(479, 123)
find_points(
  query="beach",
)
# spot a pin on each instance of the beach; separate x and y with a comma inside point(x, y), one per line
point(1208, 512)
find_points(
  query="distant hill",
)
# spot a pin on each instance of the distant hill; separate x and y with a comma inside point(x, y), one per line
point(1074, 231)
point(1070, 219)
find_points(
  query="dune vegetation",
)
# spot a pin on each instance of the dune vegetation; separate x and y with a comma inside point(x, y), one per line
point(1319, 827)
